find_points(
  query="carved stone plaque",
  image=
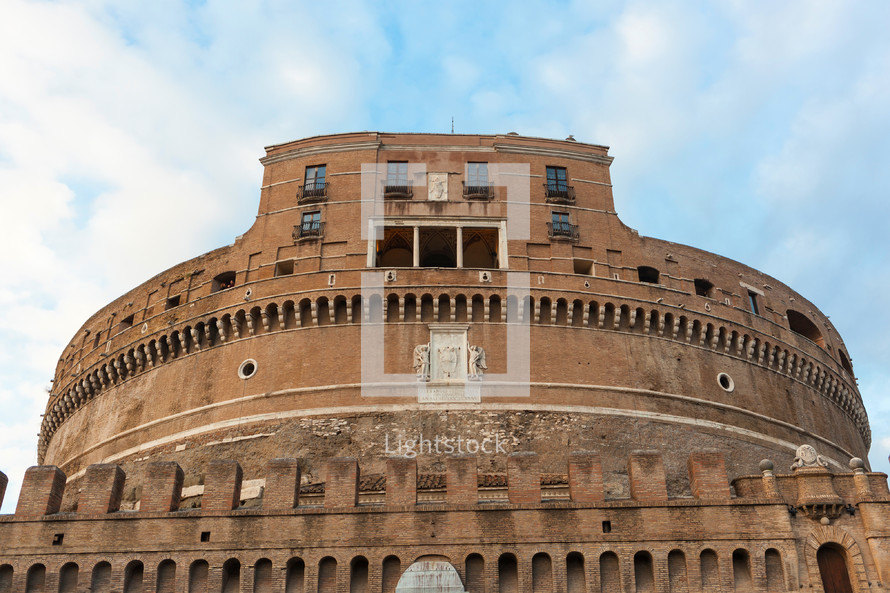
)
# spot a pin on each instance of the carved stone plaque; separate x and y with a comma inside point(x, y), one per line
point(448, 353)
point(437, 184)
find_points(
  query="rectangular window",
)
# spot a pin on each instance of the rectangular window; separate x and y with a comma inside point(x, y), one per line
point(397, 173)
point(477, 174)
point(560, 225)
point(557, 180)
point(310, 224)
point(752, 299)
point(315, 176)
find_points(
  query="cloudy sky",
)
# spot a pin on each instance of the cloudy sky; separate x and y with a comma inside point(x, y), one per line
point(130, 133)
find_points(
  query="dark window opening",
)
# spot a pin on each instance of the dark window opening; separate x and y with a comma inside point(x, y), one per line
point(126, 322)
point(477, 185)
point(703, 287)
point(396, 250)
point(560, 227)
point(648, 274)
point(752, 300)
point(284, 268)
point(801, 325)
point(205, 536)
point(223, 281)
point(172, 302)
point(583, 266)
point(58, 538)
point(315, 186)
point(557, 188)
point(397, 185)
point(311, 225)
point(607, 527)
point(845, 362)
point(97, 340)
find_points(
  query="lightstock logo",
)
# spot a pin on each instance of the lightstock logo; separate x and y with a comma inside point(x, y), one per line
point(449, 365)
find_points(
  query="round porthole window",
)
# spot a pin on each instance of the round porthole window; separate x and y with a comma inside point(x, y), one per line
point(726, 382)
point(247, 369)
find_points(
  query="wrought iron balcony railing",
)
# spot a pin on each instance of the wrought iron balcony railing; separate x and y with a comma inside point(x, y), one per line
point(398, 190)
point(562, 231)
point(478, 191)
point(559, 193)
point(309, 230)
point(314, 191)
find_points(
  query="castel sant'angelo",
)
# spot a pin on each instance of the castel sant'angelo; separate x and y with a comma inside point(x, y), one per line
point(441, 363)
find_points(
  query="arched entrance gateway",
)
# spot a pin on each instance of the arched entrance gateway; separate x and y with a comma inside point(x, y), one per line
point(430, 574)
point(833, 569)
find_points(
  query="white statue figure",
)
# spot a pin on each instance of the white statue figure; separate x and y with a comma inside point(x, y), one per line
point(422, 361)
point(477, 362)
point(807, 457)
point(448, 360)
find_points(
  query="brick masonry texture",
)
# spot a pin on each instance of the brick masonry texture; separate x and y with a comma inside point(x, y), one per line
point(208, 430)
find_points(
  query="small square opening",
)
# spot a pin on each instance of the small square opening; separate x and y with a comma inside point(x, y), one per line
point(284, 267)
point(607, 527)
point(205, 536)
point(172, 302)
point(57, 539)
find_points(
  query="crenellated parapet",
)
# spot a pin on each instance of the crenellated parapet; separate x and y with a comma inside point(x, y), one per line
point(770, 520)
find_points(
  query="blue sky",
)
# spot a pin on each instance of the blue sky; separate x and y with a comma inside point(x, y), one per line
point(130, 133)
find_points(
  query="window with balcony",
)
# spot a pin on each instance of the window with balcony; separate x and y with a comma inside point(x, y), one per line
point(560, 227)
point(397, 184)
point(315, 187)
point(311, 226)
point(477, 186)
point(557, 188)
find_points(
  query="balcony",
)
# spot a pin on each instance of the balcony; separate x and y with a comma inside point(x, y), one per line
point(562, 231)
point(314, 191)
point(397, 190)
point(559, 193)
point(483, 191)
point(308, 230)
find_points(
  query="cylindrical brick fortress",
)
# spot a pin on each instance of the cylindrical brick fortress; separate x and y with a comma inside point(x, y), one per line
point(368, 244)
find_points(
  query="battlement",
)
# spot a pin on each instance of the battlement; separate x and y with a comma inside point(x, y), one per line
point(814, 490)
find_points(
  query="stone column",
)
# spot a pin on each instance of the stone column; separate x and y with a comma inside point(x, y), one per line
point(459, 247)
point(416, 247)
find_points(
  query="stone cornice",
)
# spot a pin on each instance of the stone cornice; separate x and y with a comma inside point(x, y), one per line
point(325, 149)
point(554, 152)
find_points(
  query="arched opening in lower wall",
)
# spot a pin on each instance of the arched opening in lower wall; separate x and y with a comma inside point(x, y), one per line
point(262, 576)
point(775, 572)
point(100, 582)
point(295, 578)
point(475, 574)
point(576, 579)
point(166, 577)
point(508, 574)
point(198, 573)
point(231, 576)
point(35, 582)
point(741, 571)
point(677, 580)
point(6, 573)
point(358, 575)
point(392, 569)
point(644, 573)
point(133, 576)
point(430, 574)
point(710, 577)
point(610, 576)
point(68, 578)
point(833, 569)
point(542, 574)
point(327, 575)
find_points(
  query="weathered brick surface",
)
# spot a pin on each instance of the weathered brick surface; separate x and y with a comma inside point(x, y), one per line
point(42, 489)
point(103, 485)
point(401, 481)
point(707, 475)
point(222, 486)
point(341, 482)
point(586, 477)
point(282, 489)
point(523, 478)
point(162, 488)
point(647, 480)
point(460, 479)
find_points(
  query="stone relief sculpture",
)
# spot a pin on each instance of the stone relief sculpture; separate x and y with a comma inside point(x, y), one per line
point(422, 361)
point(807, 457)
point(448, 360)
point(477, 362)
